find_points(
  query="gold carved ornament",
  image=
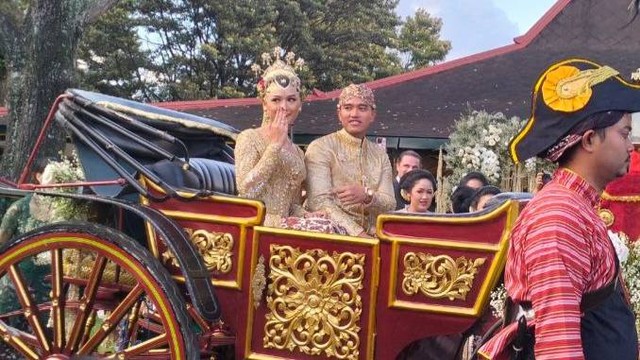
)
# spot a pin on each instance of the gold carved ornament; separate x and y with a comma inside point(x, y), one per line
point(258, 282)
point(439, 276)
point(215, 248)
point(313, 302)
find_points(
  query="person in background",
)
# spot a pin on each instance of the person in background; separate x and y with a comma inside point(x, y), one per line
point(349, 177)
point(620, 202)
point(407, 160)
point(542, 178)
point(418, 188)
point(461, 199)
point(482, 196)
point(562, 271)
point(474, 179)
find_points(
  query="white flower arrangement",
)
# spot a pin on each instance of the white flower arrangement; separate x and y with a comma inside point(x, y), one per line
point(56, 208)
point(631, 271)
point(498, 297)
point(480, 142)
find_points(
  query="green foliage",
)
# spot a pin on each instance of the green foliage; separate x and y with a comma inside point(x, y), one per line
point(420, 40)
point(204, 49)
point(110, 57)
point(347, 41)
point(195, 49)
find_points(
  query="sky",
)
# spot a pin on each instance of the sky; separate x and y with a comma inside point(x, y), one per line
point(474, 26)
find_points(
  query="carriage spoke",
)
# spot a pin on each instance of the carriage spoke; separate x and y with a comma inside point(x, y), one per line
point(142, 347)
point(30, 311)
point(57, 301)
point(11, 337)
point(132, 326)
point(86, 302)
point(112, 320)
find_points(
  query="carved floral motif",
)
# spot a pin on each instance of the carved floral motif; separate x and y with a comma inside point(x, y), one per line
point(439, 276)
point(216, 249)
point(313, 302)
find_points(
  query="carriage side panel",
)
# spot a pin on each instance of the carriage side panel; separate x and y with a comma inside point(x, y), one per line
point(313, 296)
point(437, 272)
point(221, 227)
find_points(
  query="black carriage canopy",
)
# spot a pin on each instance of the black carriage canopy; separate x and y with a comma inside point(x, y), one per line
point(117, 138)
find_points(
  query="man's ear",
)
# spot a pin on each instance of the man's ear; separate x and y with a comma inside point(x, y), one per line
point(587, 140)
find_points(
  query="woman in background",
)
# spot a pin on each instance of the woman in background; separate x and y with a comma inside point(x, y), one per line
point(418, 188)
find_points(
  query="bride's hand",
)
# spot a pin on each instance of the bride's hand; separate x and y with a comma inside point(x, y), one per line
point(276, 131)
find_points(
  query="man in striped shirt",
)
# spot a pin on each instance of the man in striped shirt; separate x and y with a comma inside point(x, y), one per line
point(560, 255)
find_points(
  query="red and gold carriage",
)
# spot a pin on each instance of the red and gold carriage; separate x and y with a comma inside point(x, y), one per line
point(173, 265)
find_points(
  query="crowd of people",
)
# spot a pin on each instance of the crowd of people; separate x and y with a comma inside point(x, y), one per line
point(561, 265)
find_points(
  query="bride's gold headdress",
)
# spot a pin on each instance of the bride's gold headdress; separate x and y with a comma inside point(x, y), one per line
point(279, 71)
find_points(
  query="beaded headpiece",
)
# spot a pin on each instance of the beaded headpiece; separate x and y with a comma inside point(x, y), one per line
point(361, 91)
point(279, 71)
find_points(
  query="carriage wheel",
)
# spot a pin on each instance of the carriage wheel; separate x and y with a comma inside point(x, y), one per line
point(84, 289)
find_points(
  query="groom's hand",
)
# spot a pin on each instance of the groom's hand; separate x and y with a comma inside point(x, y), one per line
point(350, 194)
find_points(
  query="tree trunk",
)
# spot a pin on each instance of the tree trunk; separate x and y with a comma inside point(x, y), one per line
point(40, 64)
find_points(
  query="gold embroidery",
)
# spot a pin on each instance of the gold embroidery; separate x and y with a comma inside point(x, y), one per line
point(272, 175)
point(313, 301)
point(569, 89)
point(439, 276)
point(621, 198)
point(215, 247)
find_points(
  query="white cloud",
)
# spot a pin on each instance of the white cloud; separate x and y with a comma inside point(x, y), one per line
point(471, 26)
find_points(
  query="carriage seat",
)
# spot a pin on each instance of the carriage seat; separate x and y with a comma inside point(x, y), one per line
point(216, 175)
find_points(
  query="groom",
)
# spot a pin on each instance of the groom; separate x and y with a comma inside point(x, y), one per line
point(348, 176)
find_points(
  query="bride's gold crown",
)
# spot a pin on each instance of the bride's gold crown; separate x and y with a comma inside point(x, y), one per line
point(279, 71)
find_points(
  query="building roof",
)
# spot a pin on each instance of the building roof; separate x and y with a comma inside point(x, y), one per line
point(426, 102)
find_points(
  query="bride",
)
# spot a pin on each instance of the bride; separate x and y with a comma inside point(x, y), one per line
point(269, 166)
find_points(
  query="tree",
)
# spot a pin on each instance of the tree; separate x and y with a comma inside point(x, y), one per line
point(111, 58)
point(200, 49)
point(420, 40)
point(204, 49)
point(39, 39)
point(3, 78)
point(342, 41)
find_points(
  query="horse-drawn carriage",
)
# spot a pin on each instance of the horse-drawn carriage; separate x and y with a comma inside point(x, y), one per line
point(174, 265)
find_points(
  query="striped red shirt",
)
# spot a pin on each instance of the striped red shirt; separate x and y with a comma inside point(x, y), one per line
point(559, 251)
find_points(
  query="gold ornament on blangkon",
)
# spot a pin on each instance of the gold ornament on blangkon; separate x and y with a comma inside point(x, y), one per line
point(439, 276)
point(313, 302)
